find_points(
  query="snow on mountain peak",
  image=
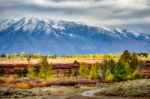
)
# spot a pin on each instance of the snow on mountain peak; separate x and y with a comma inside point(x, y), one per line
point(4, 24)
point(30, 24)
point(57, 25)
point(62, 35)
point(49, 26)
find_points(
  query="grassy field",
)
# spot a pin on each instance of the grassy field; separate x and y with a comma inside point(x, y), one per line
point(56, 61)
point(53, 92)
point(134, 88)
point(50, 60)
point(65, 80)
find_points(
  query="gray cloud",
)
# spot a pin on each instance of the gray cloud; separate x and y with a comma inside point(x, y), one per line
point(130, 14)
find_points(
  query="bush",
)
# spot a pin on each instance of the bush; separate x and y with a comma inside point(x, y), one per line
point(2, 71)
point(23, 86)
point(76, 73)
point(130, 88)
point(21, 72)
point(136, 74)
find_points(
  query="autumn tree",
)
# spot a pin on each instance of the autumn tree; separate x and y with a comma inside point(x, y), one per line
point(8, 55)
point(94, 72)
point(22, 55)
point(45, 68)
point(109, 77)
point(83, 70)
point(31, 73)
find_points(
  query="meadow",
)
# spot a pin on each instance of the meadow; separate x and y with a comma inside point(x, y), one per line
point(23, 74)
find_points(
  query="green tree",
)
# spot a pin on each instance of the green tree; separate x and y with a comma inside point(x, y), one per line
point(14, 55)
point(134, 61)
point(8, 55)
point(22, 55)
point(31, 73)
point(36, 55)
point(121, 70)
point(94, 72)
point(107, 64)
point(45, 68)
point(109, 77)
point(125, 57)
point(83, 70)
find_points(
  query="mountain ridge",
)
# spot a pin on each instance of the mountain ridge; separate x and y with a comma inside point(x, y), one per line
point(67, 37)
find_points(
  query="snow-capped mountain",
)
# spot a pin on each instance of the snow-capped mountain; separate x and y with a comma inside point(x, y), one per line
point(65, 37)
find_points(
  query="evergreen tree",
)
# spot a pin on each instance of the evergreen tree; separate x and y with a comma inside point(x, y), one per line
point(134, 61)
point(125, 57)
point(121, 70)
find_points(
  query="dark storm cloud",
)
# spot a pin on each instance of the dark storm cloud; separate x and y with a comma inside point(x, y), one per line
point(111, 13)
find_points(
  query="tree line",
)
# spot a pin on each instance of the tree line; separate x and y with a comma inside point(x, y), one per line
point(54, 56)
point(110, 70)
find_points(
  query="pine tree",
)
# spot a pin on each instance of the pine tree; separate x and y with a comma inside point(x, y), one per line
point(121, 70)
point(134, 61)
point(125, 57)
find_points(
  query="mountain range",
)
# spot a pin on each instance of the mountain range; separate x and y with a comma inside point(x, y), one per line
point(65, 37)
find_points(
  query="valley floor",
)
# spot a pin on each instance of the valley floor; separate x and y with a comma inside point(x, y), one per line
point(141, 86)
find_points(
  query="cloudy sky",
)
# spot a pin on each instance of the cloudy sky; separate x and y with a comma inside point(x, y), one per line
point(129, 14)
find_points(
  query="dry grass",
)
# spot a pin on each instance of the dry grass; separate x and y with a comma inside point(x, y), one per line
point(129, 88)
point(54, 61)
point(41, 93)
point(22, 85)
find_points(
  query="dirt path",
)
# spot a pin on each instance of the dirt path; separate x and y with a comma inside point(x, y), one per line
point(89, 94)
